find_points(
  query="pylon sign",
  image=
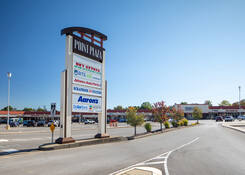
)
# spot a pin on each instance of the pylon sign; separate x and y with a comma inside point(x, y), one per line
point(53, 109)
point(83, 81)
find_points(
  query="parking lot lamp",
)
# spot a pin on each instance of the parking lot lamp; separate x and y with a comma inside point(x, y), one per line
point(239, 87)
point(9, 76)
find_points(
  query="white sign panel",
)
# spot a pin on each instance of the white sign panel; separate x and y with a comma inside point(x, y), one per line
point(87, 71)
point(84, 103)
point(53, 109)
point(86, 90)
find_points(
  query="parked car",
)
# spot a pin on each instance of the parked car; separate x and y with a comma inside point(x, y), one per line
point(31, 123)
point(25, 122)
point(122, 120)
point(241, 117)
point(112, 120)
point(3, 121)
point(229, 119)
point(13, 124)
point(219, 118)
point(55, 122)
point(41, 123)
point(89, 122)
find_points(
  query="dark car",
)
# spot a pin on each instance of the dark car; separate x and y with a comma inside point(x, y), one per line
point(41, 123)
point(3, 121)
point(31, 123)
point(219, 118)
point(25, 122)
point(13, 124)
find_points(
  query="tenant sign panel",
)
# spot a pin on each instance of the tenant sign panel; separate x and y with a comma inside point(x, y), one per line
point(87, 70)
point(85, 103)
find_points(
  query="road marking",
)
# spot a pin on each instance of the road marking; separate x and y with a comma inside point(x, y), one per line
point(3, 140)
point(10, 150)
point(166, 164)
point(163, 156)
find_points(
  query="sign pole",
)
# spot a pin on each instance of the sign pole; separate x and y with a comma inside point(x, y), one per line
point(66, 97)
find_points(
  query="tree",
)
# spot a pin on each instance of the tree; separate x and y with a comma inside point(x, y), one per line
point(146, 105)
point(197, 113)
point(242, 103)
point(208, 102)
point(6, 108)
point(40, 109)
point(177, 114)
point(183, 103)
point(160, 111)
point(133, 119)
point(119, 107)
point(28, 109)
point(225, 103)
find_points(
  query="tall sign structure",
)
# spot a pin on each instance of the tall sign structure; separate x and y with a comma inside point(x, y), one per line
point(83, 80)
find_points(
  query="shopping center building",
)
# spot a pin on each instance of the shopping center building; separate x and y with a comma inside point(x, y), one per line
point(209, 112)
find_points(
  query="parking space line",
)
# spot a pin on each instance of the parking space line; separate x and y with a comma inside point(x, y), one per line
point(3, 140)
point(163, 156)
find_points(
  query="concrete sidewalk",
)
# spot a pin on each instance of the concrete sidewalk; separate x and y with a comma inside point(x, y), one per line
point(237, 125)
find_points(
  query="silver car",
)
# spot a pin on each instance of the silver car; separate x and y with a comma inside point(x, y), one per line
point(229, 119)
point(241, 117)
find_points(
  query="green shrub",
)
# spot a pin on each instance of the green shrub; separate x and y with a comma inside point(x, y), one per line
point(148, 127)
point(175, 124)
point(185, 121)
point(180, 123)
point(167, 124)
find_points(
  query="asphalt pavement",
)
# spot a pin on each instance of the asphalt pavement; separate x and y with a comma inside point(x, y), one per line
point(207, 148)
point(22, 138)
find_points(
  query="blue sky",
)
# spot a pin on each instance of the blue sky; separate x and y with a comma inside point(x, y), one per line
point(156, 50)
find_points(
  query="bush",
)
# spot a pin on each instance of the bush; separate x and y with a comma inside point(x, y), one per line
point(148, 127)
point(167, 124)
point(185, 121)
point(175, 124)
point(180, 123)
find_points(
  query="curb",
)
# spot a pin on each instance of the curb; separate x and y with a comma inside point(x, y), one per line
point(95, 141)
point(234, 128)
point(79, 143)
point(159, 132)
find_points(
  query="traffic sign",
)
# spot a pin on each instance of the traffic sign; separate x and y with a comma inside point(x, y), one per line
point(52, 127)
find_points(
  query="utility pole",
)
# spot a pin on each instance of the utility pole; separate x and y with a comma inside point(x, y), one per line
point(239, 87)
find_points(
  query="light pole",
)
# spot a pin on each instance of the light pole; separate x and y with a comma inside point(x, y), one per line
point(9, 76)
point(239, 87)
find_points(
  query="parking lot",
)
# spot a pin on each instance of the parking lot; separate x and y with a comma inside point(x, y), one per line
point(20, 138)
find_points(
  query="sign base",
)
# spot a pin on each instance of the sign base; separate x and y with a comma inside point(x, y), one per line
point(64, 140)
point(101, 135)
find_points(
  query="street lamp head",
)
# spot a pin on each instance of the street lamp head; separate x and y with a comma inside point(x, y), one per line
point(9, 74)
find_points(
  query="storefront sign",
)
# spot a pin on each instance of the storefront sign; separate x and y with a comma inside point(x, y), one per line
point(86, 90)
point(86, 71)
point(85, 48)
point(84, 103)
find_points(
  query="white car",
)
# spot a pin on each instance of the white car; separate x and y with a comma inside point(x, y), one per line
point(89, 122)
point(55, 122)
point(241, 117)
